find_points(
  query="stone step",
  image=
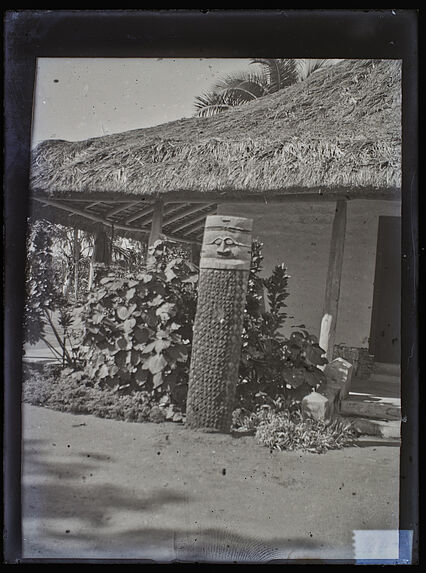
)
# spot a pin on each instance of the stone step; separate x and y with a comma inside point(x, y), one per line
point(363, 408)
point(385, 378)
point(378, 428)
point(389, 369)
point(375, 389)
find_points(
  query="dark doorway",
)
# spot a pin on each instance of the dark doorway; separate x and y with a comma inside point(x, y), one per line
point(385, 334)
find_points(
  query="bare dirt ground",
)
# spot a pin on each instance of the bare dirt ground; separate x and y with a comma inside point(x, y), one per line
point(104, 489)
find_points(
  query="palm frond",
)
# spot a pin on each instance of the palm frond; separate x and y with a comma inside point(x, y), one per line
point(237, 89)
point(249, 85)
point(211, 110)
point(231, 91)
point(280, 73)
point(306, 67)
point(210, 104)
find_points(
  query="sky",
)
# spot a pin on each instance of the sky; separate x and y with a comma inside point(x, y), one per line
point(80, 98)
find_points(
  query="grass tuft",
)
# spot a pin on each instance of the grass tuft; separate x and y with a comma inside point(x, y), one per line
point(291, 431)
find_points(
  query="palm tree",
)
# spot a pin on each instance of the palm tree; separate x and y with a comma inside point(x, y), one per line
point(271, 76)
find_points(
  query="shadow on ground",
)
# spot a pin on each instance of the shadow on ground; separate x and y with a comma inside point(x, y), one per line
point(206, 545)
point(62, 489)
point(67, 518)
point(377, 443)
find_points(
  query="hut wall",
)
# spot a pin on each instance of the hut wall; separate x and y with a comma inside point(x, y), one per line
point(298, 234)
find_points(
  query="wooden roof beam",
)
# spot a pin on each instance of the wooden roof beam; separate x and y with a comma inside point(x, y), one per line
point(191, 222)
point(178, 239)
point(141, 214)
point(121, 208)
point(102, 199)
point(148, 211)
point(189, 211)
point(198, 226)
point(93, 204)
point(132, 203)
point(86, 215)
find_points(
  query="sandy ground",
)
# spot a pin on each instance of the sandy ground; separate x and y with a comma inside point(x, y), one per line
point(95, 488)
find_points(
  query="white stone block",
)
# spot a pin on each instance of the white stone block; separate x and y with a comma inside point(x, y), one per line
point(316, 406)
point(339, 375)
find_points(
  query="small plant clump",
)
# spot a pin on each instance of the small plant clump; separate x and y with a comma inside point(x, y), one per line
point(290, 430)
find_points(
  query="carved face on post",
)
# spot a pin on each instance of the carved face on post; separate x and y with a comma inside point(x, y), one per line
point(226, 243)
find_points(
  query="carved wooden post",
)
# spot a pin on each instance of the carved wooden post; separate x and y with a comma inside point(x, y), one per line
point(224, 268)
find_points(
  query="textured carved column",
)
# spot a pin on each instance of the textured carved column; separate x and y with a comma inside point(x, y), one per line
point(224, 268)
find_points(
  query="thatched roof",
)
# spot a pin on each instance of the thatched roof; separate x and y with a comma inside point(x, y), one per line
point(340, 128)
point(338, 133)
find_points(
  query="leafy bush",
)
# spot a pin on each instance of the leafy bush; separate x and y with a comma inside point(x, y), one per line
point(38, 380)
point(44, 296)
point(138, 327)
point(41, 283)
point(134, 332)
point(271, 364)
point(52, 253)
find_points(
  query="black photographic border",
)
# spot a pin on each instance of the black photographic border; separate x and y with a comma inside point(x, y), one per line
point(326, 33)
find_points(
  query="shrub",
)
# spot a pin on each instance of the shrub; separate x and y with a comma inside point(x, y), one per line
point(56, 389)
point(271, 364)
point(38, 380)
point(138, 327)
point(134, 333)
point(44, 293)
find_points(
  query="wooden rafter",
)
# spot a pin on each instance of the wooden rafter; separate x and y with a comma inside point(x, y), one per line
point(191, 222)
point(87, 208)
point(120, 209)
point(182, 214)
point(173, 211)
point(139, 215)
point(179, 239)
point(147, 213)
point(93, 204)
point(195, 229)
point(77, 199)
point(172, 208)
point(86, 214)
